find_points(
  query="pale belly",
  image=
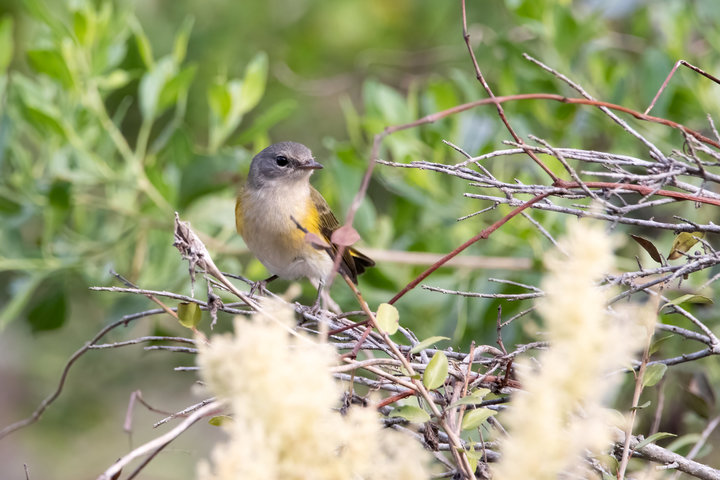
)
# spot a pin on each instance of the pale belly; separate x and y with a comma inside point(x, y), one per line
point(275, 240)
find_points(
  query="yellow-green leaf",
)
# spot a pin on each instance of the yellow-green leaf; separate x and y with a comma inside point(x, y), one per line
point(387, 318)
point(473, 456)
point(427, 342)
point(474, 398)
point(475, 418)
point(143, 43)
point(683, 243)
point(654, 374)
point(189, 314)
point(436, 371)
point(220, 420)
point(411, 413)
point(7, 44)
point(181, 40)
point(254, 82)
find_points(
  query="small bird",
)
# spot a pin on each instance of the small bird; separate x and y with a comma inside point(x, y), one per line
point(277, 209)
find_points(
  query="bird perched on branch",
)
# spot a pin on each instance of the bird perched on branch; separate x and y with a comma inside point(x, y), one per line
point(286, 223)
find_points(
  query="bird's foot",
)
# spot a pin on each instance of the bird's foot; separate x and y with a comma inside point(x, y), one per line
point(314, 310)
point(261, 286)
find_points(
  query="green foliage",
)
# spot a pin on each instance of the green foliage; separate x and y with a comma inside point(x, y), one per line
point(436, 372)
point(83, 189)
point(115, 114)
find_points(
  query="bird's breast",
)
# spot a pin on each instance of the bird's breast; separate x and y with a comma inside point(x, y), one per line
point(264, 218)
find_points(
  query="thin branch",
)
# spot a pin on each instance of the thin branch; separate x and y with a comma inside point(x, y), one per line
point(161, 441)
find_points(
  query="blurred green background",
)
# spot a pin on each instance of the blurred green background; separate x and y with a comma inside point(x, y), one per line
point(116, 114)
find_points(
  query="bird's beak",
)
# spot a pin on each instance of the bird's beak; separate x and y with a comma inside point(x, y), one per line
point(312, 165)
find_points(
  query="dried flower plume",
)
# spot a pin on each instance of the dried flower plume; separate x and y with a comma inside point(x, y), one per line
point(284, 427)
point(559, 414)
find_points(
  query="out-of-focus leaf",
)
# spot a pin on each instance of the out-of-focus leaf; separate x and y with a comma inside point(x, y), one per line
point(226, 114)
point(219, 100)
point(176, 87)
point(8, 206)
point(387, 318)
point(253, 82)
point(181, 40)
point(683, 441)
point(654, 374)
point(411, 413)
point(682, 243)
point(152, 85)
point(7, 43)
point(203, 175)
point(48, 309)
point(648, 246)
point(266, 119)
point(51, 63)
point(143, 43)
point(114, 80)
point(84, 25)
point(427, 342)
point(475, 418)
point(189, 314)
point(436, 372)
point(44, 120)
point(653, 438)
point(22, 295)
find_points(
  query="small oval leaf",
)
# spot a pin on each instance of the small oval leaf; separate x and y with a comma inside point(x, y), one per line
point(220, 420)
point(387, 318)
point(654, 374)
point(189, 314)
point(411, 413)
point(475, 418)
point(474, 398)
point(648, 246)
point(436, 371)
point(683, 243)
point(427, 342)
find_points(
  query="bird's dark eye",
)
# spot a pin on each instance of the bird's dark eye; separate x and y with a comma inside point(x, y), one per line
point(281, 160)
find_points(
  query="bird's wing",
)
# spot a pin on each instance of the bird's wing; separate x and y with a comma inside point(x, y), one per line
point(328, 223)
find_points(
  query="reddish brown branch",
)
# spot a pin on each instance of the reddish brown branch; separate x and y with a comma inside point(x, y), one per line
point(640, 189)
point(394, 398)
point(555, 97)
point(498, 105)
point(482, 235)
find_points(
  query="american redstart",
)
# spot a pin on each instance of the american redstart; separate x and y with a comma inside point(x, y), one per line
point(277, 209)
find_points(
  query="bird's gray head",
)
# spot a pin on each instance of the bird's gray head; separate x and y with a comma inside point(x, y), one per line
point(283, 162)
